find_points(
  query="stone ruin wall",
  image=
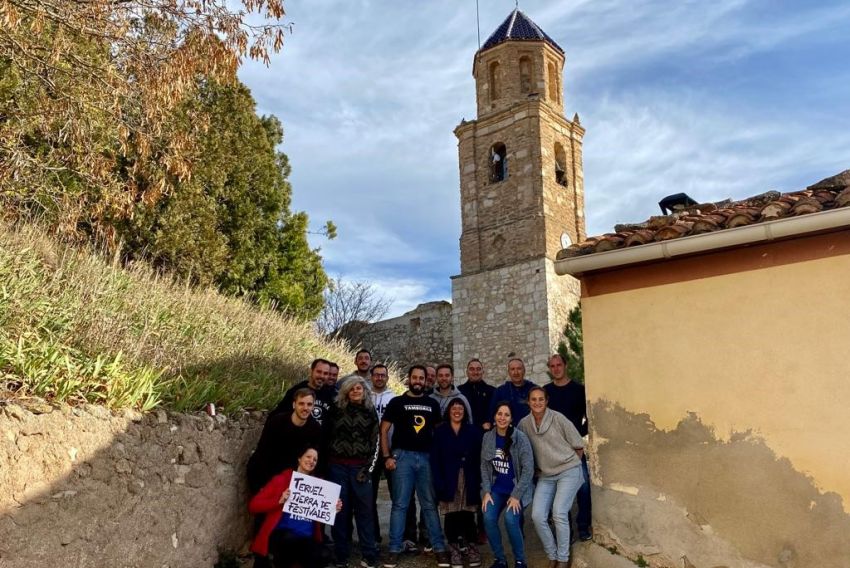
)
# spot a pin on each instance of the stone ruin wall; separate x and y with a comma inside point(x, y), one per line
point(422, 335)
point(85, 487)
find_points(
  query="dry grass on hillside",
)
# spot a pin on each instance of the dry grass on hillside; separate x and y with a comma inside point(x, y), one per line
point(75, 327)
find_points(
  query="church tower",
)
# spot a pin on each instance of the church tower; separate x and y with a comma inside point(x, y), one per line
point(522, 200)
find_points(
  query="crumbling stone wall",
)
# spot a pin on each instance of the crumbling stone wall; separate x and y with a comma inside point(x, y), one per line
point(85, 487)
point(423, 334)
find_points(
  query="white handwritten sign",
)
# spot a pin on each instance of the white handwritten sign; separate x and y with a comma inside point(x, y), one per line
point(312, 498)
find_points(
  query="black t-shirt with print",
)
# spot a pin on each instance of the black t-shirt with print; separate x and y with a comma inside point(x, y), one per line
point(413, 419)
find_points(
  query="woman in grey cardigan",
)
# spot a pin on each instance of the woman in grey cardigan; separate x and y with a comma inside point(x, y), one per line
point(557, 452)
point(507, 469)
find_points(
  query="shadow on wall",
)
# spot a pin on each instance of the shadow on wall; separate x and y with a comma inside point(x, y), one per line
point(739, 491)
point(83, 487)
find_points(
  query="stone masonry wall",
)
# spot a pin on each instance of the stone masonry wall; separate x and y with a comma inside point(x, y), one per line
point(86, 488)
point(563, 205)
point(563, 294)
point(419, 336)
point(502, 221)
point(500, 312)
point(507, 79)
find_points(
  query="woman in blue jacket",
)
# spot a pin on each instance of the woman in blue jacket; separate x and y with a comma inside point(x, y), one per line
point(507, 469)
point(456, 474)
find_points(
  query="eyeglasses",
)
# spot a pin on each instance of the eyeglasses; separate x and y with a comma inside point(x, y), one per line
point(380, 375)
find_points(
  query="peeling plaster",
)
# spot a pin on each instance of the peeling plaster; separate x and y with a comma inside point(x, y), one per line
point(735, 492)
point(624, 488)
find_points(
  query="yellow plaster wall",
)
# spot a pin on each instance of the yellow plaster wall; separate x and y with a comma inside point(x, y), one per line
point(765, 350)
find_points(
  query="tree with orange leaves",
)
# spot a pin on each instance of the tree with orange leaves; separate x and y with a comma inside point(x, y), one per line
point(85, 83)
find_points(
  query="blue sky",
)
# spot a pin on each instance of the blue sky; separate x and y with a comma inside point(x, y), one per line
point(718, 99)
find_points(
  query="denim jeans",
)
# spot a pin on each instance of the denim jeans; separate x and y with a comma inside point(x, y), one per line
point(413, 471)
point(513, 526)
point(410, 526)
point(377, 473)
point(556, 493)
point(357, 498)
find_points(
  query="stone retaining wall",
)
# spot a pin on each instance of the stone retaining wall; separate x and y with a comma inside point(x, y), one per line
point(84, 487)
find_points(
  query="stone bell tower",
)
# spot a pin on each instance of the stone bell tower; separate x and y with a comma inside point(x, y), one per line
point(522, 200)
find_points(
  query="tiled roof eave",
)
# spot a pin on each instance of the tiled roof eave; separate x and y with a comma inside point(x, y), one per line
point(787, 227)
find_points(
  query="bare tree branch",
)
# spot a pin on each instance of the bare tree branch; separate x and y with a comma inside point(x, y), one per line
point(348, 303)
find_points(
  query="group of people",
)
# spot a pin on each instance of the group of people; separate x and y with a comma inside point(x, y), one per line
point(472, 454)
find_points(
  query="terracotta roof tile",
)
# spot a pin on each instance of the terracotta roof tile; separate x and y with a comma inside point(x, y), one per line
point(830, 193)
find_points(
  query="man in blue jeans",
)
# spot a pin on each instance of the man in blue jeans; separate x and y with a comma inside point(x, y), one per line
point(567, 397)
point(412, 417)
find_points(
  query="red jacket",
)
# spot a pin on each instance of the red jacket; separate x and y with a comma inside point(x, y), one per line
point(267, 502)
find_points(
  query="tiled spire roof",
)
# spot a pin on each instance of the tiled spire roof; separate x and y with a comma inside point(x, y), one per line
point(518, 27)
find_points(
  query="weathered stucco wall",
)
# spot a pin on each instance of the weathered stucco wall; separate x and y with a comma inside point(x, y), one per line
point(85, 488)
point(719, 408)
point(422, 335)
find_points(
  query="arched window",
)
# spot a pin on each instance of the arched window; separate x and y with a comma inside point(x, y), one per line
point(553, 82)
point(498, 163)
point(525, 74)
point(561, 165)
point(494, 81)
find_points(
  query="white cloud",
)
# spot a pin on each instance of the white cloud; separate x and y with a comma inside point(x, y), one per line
point(676, 96)
point(655, 145)
point(602, 34)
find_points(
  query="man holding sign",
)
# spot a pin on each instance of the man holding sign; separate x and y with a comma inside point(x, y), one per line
point(413, 417)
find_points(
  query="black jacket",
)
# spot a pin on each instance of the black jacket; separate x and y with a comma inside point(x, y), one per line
point(279, 447)
point(479, 394)
point(452, 452)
